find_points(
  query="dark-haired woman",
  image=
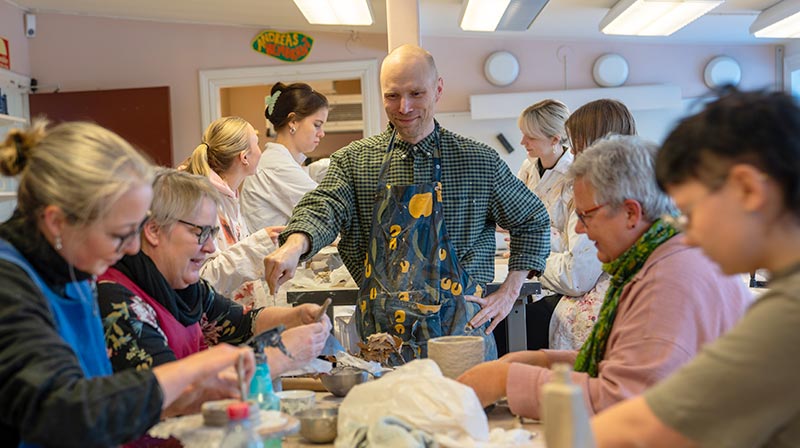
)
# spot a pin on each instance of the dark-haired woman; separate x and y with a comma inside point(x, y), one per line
point(298, 113)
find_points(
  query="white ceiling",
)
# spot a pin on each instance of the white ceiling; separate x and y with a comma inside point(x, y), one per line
point(560, 19)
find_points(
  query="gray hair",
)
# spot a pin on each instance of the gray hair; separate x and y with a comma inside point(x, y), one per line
point(621, 167)
point(178, 194)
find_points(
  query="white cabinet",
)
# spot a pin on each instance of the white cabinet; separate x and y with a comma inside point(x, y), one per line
point(16, 88)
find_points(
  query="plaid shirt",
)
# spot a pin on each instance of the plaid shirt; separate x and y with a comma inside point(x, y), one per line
point(478, 192)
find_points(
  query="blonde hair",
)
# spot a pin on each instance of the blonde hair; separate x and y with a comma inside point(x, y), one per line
point(224, 139)
point(80, 167)
point(178, 194)
point(547, 117)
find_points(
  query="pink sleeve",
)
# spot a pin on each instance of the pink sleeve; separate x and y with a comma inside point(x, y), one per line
point(523, 388)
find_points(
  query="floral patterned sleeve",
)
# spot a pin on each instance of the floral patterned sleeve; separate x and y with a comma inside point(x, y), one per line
point(133, 337)
point(224, 319)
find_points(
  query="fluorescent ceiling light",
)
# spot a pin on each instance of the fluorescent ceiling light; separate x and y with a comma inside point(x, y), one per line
point(654, 17)
point(336, 12)
point(781, 20)
point(483, 15)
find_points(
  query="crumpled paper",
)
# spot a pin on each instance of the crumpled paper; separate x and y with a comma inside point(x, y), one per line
point(324, 271)
point(418, 399)
point(347, 360)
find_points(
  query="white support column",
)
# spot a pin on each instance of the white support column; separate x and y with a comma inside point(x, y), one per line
point(402, 22)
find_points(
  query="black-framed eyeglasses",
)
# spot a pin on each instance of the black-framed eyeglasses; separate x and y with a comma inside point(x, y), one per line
point(587, 214)
point(206, 232)
point(124, 240)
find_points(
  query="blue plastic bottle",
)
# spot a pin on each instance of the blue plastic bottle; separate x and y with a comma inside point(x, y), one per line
point(261, 391)
point(261, 387)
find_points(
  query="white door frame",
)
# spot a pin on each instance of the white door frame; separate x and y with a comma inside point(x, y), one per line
point(211, 81)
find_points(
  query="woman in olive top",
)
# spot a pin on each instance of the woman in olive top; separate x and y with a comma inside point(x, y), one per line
point(733, 171)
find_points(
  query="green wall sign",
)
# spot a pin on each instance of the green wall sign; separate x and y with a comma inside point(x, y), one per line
point(289, 47)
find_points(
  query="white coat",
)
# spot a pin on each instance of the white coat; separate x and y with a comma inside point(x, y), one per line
point(572, 267)
point(269, 196)
point(236, 268)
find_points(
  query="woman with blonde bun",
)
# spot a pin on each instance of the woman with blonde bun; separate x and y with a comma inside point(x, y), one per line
point(83, 194)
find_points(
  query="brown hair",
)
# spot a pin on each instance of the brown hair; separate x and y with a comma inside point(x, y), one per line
point(294, 102)
point(597, 119)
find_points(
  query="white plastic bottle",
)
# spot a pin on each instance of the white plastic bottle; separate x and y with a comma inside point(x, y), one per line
point(240, 432)
point(566, 421)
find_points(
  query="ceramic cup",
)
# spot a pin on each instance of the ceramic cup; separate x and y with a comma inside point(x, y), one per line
point(294, 401)
point(456, 354)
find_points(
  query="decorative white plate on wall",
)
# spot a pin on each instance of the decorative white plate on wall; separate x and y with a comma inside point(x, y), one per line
point(501, 68)
point(610, 70)
point(722, 70)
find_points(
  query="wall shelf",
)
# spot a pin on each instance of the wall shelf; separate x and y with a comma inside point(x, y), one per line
point(8, 196)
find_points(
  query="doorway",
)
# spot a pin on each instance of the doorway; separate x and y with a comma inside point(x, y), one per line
point(219, 86)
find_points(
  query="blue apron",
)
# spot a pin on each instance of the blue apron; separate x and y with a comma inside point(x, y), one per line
point(76, 314)
point(414, 285)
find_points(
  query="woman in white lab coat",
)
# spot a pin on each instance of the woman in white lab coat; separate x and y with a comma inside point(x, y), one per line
point(572, 267)
point(229, 153)
point(298, 113)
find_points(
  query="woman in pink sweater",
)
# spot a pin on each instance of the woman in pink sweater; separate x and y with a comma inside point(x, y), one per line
point(666, 299)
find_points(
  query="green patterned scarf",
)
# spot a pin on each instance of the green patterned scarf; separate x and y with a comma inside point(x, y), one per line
point(622, 271)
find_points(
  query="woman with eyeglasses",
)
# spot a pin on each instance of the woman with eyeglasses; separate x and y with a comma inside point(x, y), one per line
point(228, 153)
point(157, 309)
point(666, 299)
point(732, 169)
point(83, 194)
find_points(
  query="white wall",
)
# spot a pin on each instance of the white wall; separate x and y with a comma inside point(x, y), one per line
point(653, 124)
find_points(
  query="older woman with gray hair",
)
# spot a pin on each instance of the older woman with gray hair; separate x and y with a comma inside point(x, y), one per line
point(666, 299)
point(157, 309)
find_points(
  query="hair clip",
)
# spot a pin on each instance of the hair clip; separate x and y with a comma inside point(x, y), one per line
point(271, 100)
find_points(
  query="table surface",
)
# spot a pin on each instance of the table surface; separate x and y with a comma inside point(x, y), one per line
point(499, 417)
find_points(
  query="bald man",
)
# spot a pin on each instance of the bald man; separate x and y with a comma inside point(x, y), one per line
point(417, 207)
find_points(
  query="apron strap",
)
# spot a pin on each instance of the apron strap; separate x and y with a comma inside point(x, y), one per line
point(437, 156)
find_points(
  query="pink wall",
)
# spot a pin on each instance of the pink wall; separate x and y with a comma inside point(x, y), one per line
point(541, 69)
point(12, 27)
point(85, 53)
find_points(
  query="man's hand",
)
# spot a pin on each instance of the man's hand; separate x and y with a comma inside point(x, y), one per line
point(496, 306)
point(488, 380)
point(280, 265)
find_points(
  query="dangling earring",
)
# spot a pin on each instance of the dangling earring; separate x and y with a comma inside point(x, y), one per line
point(58, 242)
point(292, 130)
